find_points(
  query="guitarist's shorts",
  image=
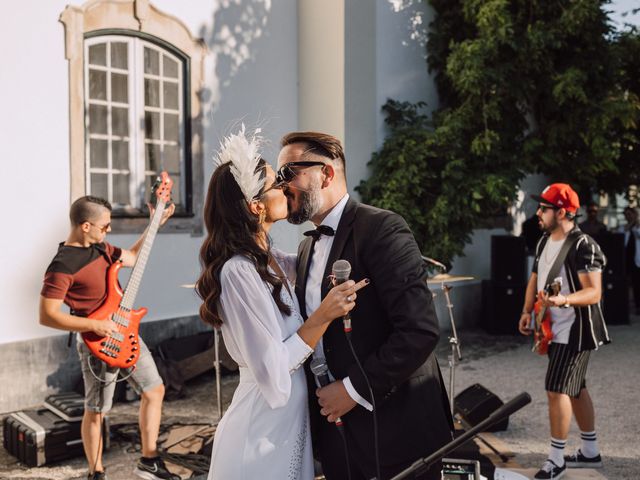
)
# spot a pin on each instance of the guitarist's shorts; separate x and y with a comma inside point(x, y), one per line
point(567, 370)
point(96, 399)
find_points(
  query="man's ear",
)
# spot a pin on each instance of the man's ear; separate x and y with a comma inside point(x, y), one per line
point(85, 227)
point(329, 174)
point(563, 213)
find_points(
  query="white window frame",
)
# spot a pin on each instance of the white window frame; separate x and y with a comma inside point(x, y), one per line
point(138, 19)
point(136, 115)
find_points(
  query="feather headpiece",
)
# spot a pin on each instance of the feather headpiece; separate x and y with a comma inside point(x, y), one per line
point(243, 154)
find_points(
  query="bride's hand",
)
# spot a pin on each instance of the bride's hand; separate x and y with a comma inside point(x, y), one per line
point(341, 299)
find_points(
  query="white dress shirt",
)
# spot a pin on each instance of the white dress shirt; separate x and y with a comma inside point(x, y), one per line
point(313, 293)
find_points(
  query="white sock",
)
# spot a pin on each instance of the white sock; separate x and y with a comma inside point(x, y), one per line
point(589, 446)
point(556, 454)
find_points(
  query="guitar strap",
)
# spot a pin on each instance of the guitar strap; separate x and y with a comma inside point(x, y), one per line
point(571, 240)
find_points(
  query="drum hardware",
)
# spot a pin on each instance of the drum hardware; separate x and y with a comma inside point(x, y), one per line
point(216, 343)
point(443, 279)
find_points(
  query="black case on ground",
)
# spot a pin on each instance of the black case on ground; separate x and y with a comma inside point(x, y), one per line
point(38, 437)
point(69, 405)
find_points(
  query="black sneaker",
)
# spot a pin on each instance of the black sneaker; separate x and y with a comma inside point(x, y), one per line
point(97, 476)
point(153, 469)
point(578, 460)
point(550, 470)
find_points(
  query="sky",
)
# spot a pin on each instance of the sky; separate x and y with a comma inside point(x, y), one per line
point(618, 7)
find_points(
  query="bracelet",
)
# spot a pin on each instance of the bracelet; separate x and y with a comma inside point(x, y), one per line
point(566, 303)
point(525, 312)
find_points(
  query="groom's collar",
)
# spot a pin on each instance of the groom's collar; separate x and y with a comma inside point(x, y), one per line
point(333, 218)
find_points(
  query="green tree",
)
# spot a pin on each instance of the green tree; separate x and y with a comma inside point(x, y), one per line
point(524, 87)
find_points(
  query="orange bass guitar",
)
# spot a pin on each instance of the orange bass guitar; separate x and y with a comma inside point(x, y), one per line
point(121, 349)
point(542, 333)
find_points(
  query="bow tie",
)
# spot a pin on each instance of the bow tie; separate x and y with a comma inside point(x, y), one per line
point(320, 230)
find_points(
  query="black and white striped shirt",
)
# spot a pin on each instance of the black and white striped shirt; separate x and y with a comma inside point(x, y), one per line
point(589, 331)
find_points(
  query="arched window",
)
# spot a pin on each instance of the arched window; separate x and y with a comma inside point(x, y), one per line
point(134, 109)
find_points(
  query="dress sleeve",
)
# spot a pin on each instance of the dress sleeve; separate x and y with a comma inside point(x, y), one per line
point(287, 262)
point(253, 321)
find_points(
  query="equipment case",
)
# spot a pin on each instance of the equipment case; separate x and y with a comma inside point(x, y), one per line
point(69, 406)
point(41, 436)
point(37, 437)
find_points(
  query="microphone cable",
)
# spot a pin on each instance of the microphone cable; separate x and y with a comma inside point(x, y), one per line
point(320, 371)
point(376, 449)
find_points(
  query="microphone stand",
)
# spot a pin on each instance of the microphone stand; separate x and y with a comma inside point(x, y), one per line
point(504, 411)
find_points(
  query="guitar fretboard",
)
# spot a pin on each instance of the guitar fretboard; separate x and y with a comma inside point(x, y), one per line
point(133, 285)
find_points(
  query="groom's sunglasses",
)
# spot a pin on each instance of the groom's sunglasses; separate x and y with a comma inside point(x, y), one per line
point(286, 173)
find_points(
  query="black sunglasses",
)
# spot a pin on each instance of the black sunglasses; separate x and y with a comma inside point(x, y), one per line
point(544, 208)
point(286, 173)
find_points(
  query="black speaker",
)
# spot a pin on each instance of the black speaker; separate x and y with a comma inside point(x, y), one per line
point(612, 245)
point(508, 259)
point(476, 403)
point(501, 306)
point(615, 304)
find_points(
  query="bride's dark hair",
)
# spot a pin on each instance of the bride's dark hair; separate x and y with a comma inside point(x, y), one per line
point(231, 230)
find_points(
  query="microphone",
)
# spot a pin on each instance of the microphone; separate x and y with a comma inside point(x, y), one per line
point(434, 262)
point(321, 372)
point(341, 270)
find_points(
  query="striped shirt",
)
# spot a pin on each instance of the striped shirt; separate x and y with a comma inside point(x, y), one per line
point(589, 331)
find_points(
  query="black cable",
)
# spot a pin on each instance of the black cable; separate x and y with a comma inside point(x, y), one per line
point(196, 462)
point(373, 404)
point(100, 404)
point(346, 449)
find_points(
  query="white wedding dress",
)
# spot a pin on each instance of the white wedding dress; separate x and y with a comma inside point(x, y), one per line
point(265, 432)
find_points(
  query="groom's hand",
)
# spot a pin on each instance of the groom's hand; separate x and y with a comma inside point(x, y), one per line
point(334, 400)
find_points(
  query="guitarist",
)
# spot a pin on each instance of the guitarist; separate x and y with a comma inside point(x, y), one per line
point(576, 320)
point(77, 277)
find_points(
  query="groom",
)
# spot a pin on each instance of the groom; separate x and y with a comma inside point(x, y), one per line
point(395, 329)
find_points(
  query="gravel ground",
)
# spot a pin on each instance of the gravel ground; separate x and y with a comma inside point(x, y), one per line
point(502, 364)
point(505, 366)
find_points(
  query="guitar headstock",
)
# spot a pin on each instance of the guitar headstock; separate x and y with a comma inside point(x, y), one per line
point(161, 189)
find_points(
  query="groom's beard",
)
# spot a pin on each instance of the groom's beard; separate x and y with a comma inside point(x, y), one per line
point(309, 204)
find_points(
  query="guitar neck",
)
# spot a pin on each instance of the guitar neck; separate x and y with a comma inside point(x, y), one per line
point(135, 280)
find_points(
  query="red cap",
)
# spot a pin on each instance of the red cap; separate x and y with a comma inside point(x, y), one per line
point(559, 195)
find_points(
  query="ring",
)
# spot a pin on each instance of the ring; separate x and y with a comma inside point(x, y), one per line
point(348, 298)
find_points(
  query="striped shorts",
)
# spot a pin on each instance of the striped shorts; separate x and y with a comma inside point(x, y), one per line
point(567, 370)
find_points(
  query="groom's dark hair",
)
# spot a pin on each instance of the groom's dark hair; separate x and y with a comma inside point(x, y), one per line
point(321, 144)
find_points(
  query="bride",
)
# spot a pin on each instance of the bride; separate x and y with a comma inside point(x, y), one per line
point(245, 293)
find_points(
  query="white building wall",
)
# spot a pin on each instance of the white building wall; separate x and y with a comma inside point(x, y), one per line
point(252, 80)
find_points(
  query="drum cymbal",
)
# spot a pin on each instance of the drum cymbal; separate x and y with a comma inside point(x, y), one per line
point(446, 278)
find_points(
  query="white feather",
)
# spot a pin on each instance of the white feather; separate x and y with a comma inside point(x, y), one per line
point(243, 153)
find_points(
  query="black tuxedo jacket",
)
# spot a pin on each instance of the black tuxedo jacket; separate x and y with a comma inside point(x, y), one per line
point(395, 333)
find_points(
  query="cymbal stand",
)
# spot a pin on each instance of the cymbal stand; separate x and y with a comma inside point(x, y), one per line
point(454, 342)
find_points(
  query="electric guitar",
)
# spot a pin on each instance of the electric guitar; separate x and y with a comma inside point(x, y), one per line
point(121, 349)
point(542, 333)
